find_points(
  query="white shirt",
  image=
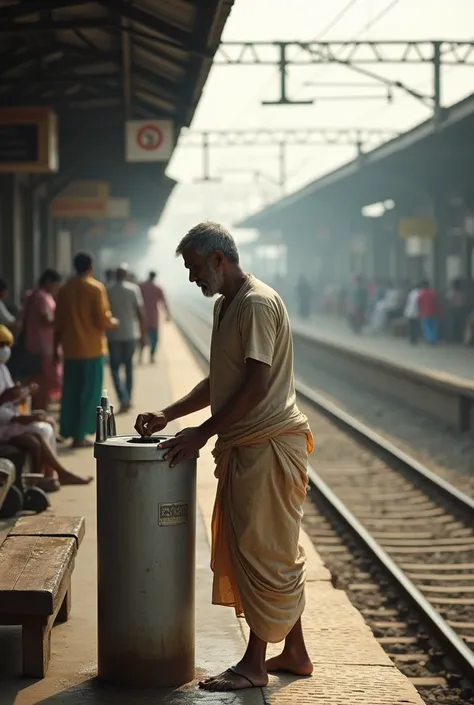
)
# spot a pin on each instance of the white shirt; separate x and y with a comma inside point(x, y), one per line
point(411, 306)
point(6, 317)
point(7, 411)
point(125, 301)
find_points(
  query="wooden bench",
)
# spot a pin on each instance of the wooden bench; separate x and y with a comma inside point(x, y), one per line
point(36, 565)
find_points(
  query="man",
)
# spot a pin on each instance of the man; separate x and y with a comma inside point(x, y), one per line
point(126, 304)
point(82, 318)
point(412, 314)
point(153, 298)
point(261, 455)
point(358, 304)
point(6, 318)
point(429, 311)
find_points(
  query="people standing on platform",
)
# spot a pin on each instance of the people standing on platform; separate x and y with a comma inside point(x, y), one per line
point(126, 304)
point(6, 318)
point(38, 326)
point(303, 297)
point(358, 304)
point(429, 312)
point(109, 277)
point(412, 314)
point(153, 299)
point(82, 318)
point(261, 455)
point(457, 311)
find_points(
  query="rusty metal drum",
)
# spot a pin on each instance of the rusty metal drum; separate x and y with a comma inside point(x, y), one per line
point(146, 533)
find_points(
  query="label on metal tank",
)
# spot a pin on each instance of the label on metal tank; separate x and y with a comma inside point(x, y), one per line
point(172, 513)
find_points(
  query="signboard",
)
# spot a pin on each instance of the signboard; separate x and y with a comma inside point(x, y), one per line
point(418, 227)
point(115, 227)
point(28, 140)
point(148, 140)
point(118, 208)
point(418, 246)
point(82, 199)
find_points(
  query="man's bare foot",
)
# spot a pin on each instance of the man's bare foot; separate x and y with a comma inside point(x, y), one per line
point(234, 680)
point(289, 662)
point(82, 444)
point(69, 478)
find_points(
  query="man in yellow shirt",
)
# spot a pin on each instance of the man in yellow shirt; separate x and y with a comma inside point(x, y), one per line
point(82, 317)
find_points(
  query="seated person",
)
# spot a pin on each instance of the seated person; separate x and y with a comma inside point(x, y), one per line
point(30, 432)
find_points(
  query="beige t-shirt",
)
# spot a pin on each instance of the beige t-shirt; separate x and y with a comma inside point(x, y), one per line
point(256, 325)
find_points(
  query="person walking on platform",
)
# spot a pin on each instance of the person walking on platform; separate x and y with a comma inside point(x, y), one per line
point(126, 304)
point(261, 455)
point(153, 299)
point(412, 314)
point(82, 317)
point(429, 312)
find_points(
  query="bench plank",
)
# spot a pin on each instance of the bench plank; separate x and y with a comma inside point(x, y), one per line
point(47, 525)
point(32, 569)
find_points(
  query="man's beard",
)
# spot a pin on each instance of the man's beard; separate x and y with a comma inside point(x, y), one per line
point(212, 284)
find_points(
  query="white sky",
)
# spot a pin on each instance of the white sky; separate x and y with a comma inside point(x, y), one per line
point(233, 94)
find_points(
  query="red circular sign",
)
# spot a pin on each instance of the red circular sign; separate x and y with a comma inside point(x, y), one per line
point(149, 137)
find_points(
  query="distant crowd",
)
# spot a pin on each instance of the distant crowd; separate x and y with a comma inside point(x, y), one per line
point(416, 311)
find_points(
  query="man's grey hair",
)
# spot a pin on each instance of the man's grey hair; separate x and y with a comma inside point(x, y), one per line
point(206, 238)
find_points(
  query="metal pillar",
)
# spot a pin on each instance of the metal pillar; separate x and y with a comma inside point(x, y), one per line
point(11, 235)
point(282, 167)
point(437, 80)
point(32, 238)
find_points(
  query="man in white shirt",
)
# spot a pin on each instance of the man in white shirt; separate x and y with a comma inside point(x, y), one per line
point(6, 318)
point(412, 314)
point(126, 303)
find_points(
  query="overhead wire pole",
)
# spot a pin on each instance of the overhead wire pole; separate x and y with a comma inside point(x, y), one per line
point(345, 136)
point(352, 54)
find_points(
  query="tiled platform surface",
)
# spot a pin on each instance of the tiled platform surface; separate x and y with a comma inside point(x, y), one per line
point(350, 667)
point(446, 359)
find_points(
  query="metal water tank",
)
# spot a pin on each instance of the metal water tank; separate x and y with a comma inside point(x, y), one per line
point(146, 526)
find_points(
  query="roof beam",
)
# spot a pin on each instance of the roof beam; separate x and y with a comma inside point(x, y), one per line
point(148, 20)
point(50, 25)
point(26, 9)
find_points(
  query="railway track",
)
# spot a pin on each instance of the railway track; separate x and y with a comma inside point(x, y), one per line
point(411, 530)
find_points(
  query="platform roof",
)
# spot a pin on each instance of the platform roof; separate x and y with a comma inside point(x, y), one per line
point(100, 63)
point(427, 156)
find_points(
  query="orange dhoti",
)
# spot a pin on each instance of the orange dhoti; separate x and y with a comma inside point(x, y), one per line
point(259, 566)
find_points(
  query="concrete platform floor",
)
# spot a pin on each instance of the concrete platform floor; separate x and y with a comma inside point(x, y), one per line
point(350, 667)
point(445, 358)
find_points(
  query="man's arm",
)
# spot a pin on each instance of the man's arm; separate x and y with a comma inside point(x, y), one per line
point(101, 310)
point(197, 399)
point(258, 331)
point(140, 312)
point(164, 302)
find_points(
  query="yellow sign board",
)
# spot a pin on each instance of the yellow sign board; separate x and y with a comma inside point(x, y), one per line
point(28, 140)
point(418, 227)
point(82, 199)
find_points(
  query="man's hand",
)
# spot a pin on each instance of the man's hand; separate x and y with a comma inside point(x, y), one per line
point(26, 419)
point(14, 395)
point(150, 422)
point(39, 415)
point(33, 388)
point(185, 445)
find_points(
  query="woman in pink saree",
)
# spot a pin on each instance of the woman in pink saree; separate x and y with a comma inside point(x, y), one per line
point(38, 322)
